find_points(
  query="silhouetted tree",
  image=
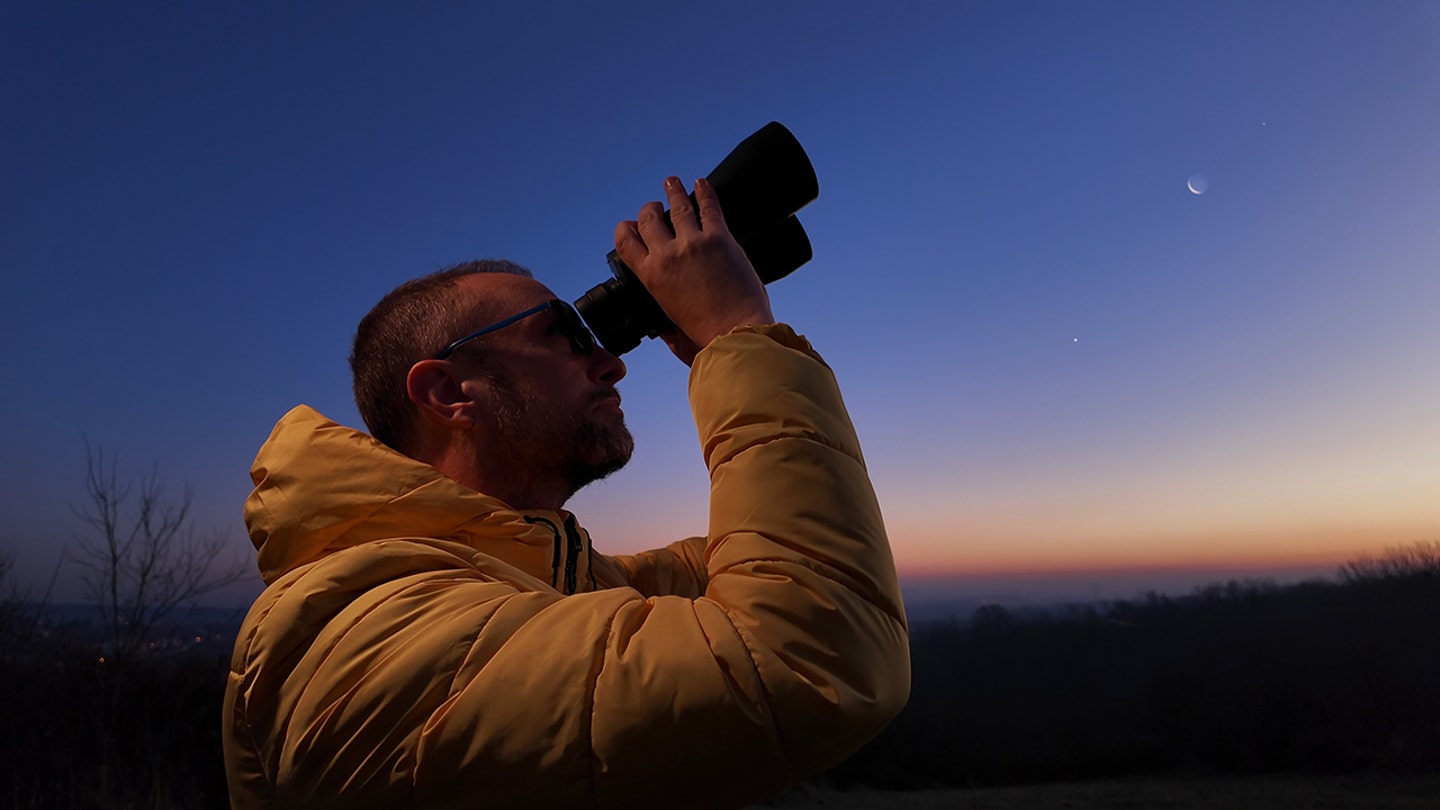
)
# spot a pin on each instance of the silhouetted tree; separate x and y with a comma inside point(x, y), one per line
point(1245, 676)
point(1417, 560)
point(143, 558)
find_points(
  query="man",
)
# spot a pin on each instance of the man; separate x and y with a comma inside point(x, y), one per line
point(438, 632)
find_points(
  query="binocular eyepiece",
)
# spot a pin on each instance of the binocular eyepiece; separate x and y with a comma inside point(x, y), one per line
point(760, 185)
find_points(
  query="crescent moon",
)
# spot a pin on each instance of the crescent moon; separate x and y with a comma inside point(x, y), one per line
point(1197, 183)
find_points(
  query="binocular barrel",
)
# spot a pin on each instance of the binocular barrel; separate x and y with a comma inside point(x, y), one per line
point(760, 184)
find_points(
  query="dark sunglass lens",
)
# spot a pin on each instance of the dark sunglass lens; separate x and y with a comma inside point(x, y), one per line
point(580, 338)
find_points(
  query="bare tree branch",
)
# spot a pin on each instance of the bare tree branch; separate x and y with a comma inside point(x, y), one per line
point(143, 558)
point(1397, 562)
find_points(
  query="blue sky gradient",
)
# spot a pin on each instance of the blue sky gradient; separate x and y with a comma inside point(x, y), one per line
point(1059, 358)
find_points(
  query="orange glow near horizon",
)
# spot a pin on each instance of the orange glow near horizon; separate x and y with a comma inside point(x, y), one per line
point(996, 553)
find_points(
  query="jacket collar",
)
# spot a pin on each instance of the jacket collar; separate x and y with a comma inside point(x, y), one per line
point(321, 487)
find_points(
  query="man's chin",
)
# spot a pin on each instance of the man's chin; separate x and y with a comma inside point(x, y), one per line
point(617, 460)
point(608, 451)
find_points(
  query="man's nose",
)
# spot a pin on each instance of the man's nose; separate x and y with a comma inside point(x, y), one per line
point(606, 367)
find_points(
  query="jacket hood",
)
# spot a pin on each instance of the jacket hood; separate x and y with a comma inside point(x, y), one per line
point(321, 487)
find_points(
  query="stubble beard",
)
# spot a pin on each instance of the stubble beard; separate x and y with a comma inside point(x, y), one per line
point(599, 450)
point(574, 449)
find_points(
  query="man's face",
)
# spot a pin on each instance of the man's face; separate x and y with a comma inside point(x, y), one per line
point(556, 413)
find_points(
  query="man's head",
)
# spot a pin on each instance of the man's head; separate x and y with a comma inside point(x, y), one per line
point(522, 412)
point(413, 322)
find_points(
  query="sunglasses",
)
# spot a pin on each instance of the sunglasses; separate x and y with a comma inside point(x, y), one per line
point(567, 323)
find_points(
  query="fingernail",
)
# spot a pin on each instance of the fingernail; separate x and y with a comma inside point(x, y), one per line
point(672, 182)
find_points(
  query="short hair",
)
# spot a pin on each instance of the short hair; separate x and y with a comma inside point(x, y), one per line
point(413, 322)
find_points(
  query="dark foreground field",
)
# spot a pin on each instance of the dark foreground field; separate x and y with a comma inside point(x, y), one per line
point(1314, 695)
point(1362, 792)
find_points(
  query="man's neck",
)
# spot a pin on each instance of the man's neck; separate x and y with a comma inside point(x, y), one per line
point(518, 488)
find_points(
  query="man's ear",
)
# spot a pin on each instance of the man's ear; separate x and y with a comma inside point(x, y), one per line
point(435, 388)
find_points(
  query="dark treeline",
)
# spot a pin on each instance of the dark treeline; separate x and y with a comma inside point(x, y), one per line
point(1241, 678)
point(82, 728)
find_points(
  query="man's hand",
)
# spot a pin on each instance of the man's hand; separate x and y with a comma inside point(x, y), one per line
point(697, 272)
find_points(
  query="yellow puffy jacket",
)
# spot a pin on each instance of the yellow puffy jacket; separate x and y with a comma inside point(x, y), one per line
point(420, 644)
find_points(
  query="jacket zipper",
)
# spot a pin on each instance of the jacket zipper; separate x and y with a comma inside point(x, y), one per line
point(572, 556)
point(555, 556)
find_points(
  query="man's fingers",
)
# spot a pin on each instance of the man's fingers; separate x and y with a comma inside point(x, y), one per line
point(651, 225)
point(628, 243)
point(711, 217)
point(682, 211)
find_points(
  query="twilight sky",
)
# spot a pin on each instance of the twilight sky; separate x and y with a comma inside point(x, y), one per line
point(1062, 362)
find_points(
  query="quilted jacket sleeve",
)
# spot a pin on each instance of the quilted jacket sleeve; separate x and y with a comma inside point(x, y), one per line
point(675, 570)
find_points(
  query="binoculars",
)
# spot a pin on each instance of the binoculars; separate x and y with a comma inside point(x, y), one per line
point(760, 185)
